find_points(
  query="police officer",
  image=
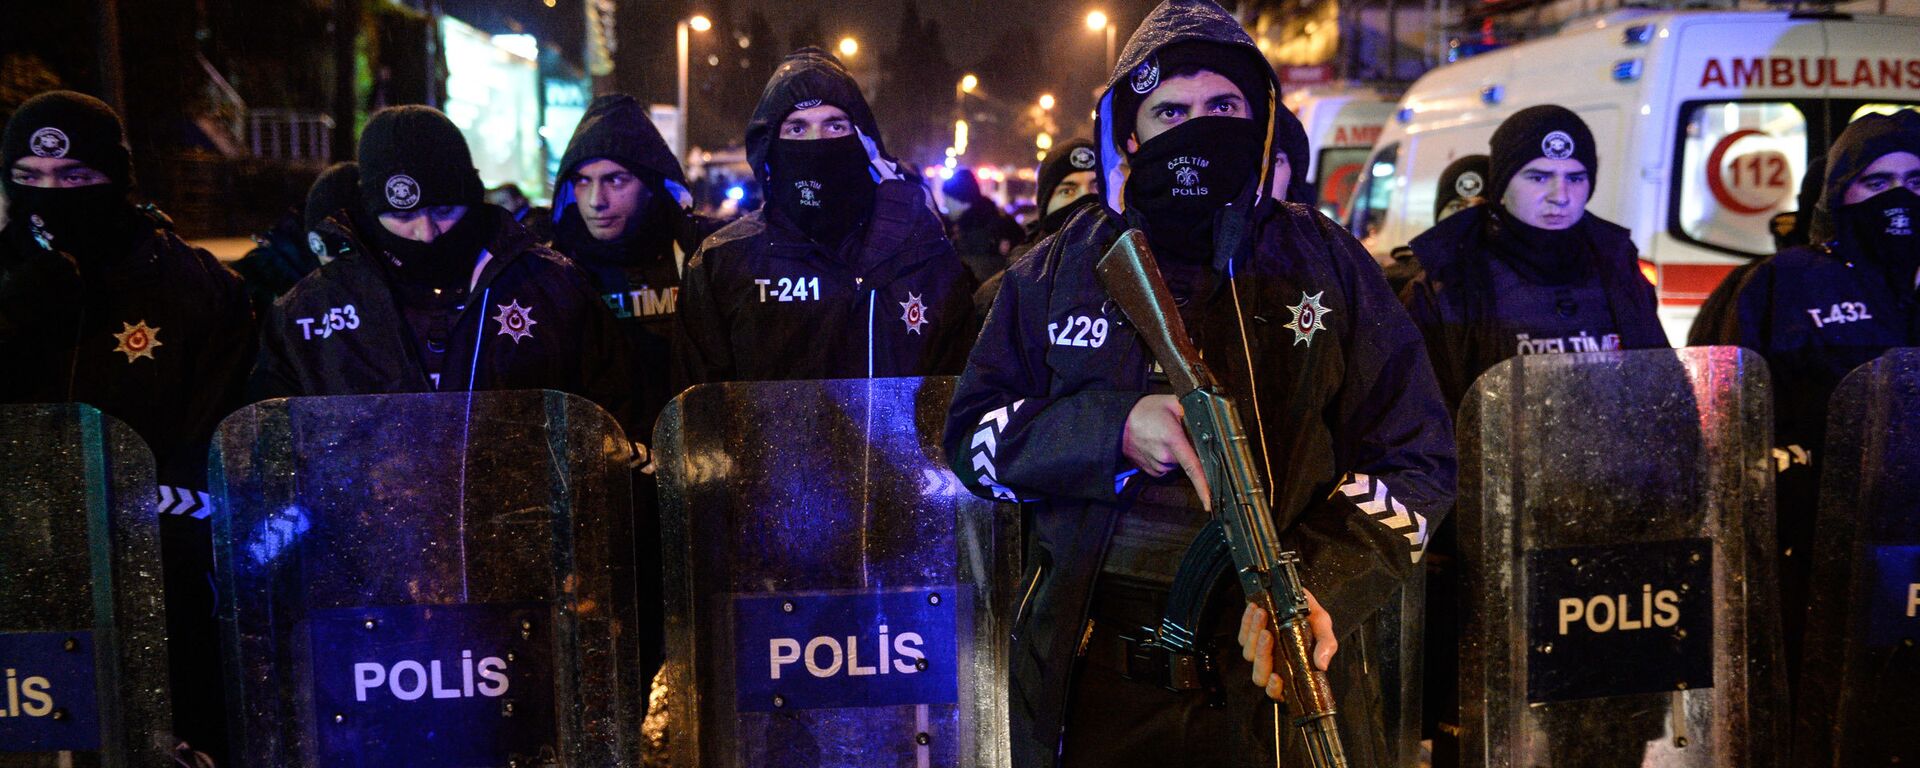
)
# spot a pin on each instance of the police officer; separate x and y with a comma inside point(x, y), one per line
point(101, 303)
point(1291, 155)
point(1816, 312)
point(336, 193)
point(1059, 405)
point(1532, 271)
point(1718, 317)
point(1529, 272)
point(623, 217)
point(846, 271)
point(536, 219)
point(1463, 185)
point(292, 248)
point(445, 293)
point(982, 234)
point(1066, 185)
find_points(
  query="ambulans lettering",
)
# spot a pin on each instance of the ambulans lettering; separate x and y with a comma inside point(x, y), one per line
point(1804, 72)
point(27, 695)
point(787, 289)
point(1078, 331)
point(334, 319)
point(825, 657)
point(1620, 612)
point(1839, 314)
point(1356, 135)
point(642, 302)
point(413, 680)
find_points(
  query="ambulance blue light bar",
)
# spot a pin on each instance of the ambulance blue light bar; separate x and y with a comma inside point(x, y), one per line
point(1638, 34)
point(1626, 70)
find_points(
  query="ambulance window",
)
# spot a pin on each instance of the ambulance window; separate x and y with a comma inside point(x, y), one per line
point(1877, 109)
point(1740, 164)
point(1374, 193)
point(1338, 169)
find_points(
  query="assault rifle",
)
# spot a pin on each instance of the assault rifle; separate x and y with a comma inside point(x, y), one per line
point(1269, 576)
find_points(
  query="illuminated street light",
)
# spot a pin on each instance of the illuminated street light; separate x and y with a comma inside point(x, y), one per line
point(1046, 101)
point(700, 23)
point(959, 137)
point(849, 46)
point(1043, 141)
point(968, 83)
point(683, 38)
point(1096, 21)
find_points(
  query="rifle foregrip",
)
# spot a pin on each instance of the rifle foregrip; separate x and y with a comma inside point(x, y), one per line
point(1310, 697)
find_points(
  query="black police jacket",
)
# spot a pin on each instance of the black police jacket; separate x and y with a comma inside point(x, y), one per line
point(532, 320)
point(160, 339)
point(762, 301)
point(1358, 441)
point(1449, 296)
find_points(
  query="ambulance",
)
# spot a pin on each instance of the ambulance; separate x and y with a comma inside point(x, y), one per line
point(1342, 127)
point(1704, 120)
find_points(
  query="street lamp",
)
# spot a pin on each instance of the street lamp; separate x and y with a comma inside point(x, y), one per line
point(1046, 102)
point(968, 83)
point(1097, 21)
point(683, 36)
point(849, 46)
point(1043, 141)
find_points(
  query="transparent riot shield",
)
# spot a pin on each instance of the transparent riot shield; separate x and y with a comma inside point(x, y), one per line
point(1859, 684)
point(82, 625)
point(835, 597)
point(428, 580)
point(1618, 605)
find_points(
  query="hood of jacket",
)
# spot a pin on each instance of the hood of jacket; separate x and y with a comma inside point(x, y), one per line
point(616, 127)
point(806, 78)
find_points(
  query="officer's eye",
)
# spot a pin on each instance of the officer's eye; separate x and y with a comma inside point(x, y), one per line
point(1225, 107)
point(24, 176)
point(794, 130)
point(1171, 113)
point(619, 180)
point(1576, 178)
point(1537, 178)
point(838, 128)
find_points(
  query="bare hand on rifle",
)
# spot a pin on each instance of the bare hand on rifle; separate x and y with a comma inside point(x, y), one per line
point(1155, 440)
point(1256, 645)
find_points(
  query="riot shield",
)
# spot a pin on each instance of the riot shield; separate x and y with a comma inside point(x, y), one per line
point(1618, 601)
point(1860, 681)
point(82, 625)
point(835, 597)
point(428, 580)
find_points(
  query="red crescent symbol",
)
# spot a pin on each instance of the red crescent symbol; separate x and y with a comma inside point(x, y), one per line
point(1718, 187)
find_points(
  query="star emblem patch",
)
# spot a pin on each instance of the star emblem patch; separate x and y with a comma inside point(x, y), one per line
point(1308, 318)
point(913, 313)
point(137, 340)
point(515, 320)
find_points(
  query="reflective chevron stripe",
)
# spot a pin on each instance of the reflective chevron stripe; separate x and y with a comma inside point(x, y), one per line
point(986, 447)
point(1372, 497)
point(179, 501)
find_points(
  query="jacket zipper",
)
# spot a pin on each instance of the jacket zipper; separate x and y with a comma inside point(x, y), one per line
point(1020, 613)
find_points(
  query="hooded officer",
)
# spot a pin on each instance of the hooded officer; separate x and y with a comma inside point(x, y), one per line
point(1718, 317)
point(1059, 406)
point(437, 291)
point(1816, 312)
point(101, 303)
point(845, 272)
point(623, 215)
point(1532, 271)
point(983, 235)
point(1463, 185)
point(1291, 154)
point(336, 193)
point(292, 248)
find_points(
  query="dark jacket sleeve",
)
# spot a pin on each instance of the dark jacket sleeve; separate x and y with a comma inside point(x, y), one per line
point(1420, 297)
point(1394, 448)
point(701, 347)
point(220, 369)
point(948, 354)
point(1006, 436)
point(274, 372)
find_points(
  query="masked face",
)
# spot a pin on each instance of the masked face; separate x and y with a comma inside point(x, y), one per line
point(1183, 175)
point(1072, 186)
point(824, 186)
point(1882, 226)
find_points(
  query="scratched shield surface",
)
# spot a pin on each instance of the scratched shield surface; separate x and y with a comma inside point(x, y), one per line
point(428, 579)
point(835, 597)
point(1616, 525)
point(1860, 682)
point(82, 625)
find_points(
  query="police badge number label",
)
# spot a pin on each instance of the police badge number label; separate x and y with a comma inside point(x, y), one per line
point(1557, 146)
point(402, 191)
point(464, 684)
point(816, 650)
point(50, 704)
point(49, 142)
point(1619, 619)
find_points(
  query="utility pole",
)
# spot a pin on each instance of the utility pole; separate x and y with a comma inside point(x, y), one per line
point(346, 28)
point(113, 89)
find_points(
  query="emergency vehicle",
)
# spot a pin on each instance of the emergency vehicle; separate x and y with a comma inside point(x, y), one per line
point(1704, 120)
point(1342, 127)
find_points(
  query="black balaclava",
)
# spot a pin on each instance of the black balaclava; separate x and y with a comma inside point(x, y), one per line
point(1065, 159)
point(93, 223)
point(1464, 178)
point(1866, 140)
point(336, 192)
point(1546, 130)
point(1181, 178)
point(824, 186)
point(1881, 229)
point(413, 158)
point(1250, 74)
